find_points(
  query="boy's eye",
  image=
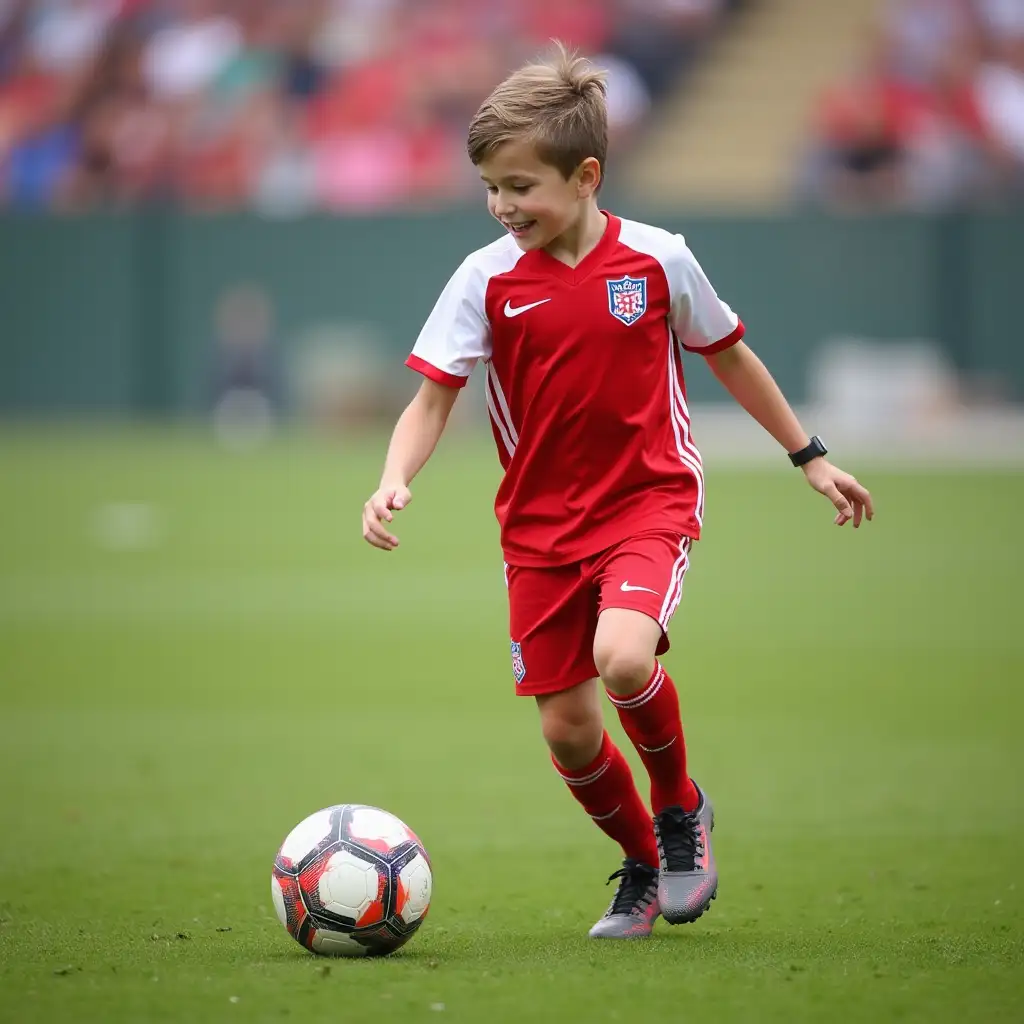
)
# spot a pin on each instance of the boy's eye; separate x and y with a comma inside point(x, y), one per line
point(520, 190)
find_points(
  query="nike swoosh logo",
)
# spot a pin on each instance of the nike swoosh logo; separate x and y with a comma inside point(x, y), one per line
point(511, 310)
point(626, 588)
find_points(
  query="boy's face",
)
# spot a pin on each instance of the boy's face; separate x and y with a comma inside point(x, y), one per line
point(530, 198)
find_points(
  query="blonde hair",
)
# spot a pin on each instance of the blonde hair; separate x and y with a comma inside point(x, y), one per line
point(558, 105)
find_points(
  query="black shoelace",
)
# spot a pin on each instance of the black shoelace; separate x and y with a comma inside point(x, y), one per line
point(634, 886)
point(677, 837)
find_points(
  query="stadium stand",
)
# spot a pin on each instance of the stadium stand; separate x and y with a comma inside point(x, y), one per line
point(289, 106)
point(293, 105)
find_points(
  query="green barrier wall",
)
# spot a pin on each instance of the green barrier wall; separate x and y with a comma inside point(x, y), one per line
point(113, 313)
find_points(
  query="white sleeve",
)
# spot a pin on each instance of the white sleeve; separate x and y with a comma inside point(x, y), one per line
point(456, 334)
point(702, 321)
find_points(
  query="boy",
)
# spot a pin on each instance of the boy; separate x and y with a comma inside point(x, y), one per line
point(580, 318)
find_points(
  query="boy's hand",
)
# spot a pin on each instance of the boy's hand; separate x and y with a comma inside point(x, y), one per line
point(851, 499)
point(378, 511)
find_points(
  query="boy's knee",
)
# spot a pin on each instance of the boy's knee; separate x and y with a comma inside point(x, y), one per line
point(573, 739)
point(623, 669)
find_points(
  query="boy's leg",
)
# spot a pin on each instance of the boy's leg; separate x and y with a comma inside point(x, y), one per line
point(602, 782)
point(647, 702)
point(552, 620)
point(641, 583)
point(594, 769)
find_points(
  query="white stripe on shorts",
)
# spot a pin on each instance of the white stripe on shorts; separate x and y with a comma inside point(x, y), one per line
point(674, 593)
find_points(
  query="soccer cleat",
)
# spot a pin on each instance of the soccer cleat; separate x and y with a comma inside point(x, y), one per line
point(688, 880)
point(633, 911)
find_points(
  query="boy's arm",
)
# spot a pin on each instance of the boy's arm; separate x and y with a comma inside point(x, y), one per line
point(747, 379)
point(416, 434)
point(455, 336)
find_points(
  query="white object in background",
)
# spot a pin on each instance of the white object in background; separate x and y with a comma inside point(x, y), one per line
point(1000, 94)
point(872, 386)
point(127, 526)
point(181, 60)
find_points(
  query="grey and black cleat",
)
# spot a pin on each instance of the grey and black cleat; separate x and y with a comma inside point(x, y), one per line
point(688, 880)
point(633, 911)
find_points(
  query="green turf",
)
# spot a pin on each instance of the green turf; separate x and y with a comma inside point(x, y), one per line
point(169, 710)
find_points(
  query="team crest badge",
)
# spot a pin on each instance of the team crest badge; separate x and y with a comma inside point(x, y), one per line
point(518, 665)
point(627, 298)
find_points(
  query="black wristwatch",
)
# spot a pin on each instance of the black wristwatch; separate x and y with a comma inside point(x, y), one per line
point(812, 451)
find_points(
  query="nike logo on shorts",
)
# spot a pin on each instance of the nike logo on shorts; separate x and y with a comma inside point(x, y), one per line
point(511, 310)
point(626, 588)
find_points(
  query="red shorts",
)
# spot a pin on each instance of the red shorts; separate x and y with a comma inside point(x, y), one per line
point(553, 612)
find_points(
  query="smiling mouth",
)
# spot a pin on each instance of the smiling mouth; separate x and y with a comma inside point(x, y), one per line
point(519, 227)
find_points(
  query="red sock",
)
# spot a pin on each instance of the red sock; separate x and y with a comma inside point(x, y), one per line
point(651, 720)
point(608, 794)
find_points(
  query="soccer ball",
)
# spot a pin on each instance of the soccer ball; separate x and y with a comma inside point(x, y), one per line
point(351, 880)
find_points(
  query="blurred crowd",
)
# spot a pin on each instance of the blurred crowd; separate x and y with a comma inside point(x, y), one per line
point(291, 105)
point(933, 117)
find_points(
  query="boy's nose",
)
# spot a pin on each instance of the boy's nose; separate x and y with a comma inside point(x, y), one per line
point(504, 209)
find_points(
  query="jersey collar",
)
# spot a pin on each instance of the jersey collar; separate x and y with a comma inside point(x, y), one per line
point(590, 262)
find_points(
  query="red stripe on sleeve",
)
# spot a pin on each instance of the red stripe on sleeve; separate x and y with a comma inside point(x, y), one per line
point(720, 346)
point(437, 376)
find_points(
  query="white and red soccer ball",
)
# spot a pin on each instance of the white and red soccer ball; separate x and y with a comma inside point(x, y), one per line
point(351, 880)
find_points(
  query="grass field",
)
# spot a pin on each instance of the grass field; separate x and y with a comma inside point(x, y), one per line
point(197, 650)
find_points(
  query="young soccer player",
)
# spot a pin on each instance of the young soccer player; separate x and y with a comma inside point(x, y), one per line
point(580, 319)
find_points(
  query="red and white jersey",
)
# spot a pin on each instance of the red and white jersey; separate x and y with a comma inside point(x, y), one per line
point(584, 384)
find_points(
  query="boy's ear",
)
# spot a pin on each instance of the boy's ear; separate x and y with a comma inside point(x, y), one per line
point(588, 177)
